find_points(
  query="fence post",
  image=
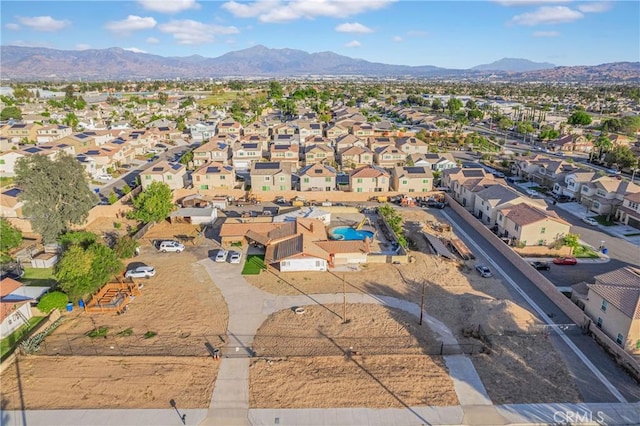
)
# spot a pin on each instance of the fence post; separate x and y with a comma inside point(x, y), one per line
point(441, 348)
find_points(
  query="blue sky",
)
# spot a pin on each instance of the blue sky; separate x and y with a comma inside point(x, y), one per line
point(451, 34)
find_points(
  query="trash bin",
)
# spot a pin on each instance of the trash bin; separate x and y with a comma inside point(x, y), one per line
point(81, 303)
point(605, 250)
point(69, 307)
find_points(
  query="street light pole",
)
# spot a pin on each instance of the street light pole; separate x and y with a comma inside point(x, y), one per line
point(422, 303)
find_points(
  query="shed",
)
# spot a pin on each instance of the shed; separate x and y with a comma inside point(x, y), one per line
point(194, 215)
point(44, 260)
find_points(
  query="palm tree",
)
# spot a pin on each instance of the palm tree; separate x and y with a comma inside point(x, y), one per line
point(604, 144)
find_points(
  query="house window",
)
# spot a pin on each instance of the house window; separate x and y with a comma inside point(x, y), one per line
point(327, 179)
point(169, 177)
point(1, 161)
point(487, 208)
point(359, 190)
point(596, 205)
point(404, 182)
point(620, 339)
point(358, 180)
point(585, 189)
point(266, 188)
point(267, 178)
point(204, 186)
point(147, 177)
point(318, 264)
point(633, 205)
point(601, 193)
point(283, 188)
point(599, 322)
point(500, 216)
point(517, 227)
point(222, 177)
point(425, 180)
point(306, 180)
point(543, 230)
point(604, 305)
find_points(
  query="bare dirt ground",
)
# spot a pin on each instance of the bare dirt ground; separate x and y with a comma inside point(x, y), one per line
point(43, 382)
point(518, 370)
point(105, 225)
point(180, 304)
point(376, 359)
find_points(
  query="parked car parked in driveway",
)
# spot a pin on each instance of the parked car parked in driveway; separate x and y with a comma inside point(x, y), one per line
point(484, 271)
point(169, 245)
point(565, 261)
point(222, 255)
point(590, 221)
point(541, 266)
point(235, 257)
point(143, 271)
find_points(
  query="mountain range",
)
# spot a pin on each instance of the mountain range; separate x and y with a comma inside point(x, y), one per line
point(32, 63)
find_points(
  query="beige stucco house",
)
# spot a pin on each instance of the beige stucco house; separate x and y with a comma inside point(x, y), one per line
point(317, 177)
point(629, 212)
point(369, 179)
point(214, 175)
point(412, 179)
point(212, 151)
point(530, 226)
point(270, 176)
point(172, 174)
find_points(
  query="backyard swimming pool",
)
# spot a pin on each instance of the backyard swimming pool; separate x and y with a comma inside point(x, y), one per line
point(350, 234)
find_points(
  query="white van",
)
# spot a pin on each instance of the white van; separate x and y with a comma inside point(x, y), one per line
point(174, 246)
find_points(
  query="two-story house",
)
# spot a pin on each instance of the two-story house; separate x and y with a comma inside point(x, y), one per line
point(229, 126)
point(435, 161)
point(335, 131)
point(369, 179)
point(245, 155)
point(52, 133)
point(629, 212)
point(465, 182)
point(214, 175)
point(318, 154)
point(309, 128)
point(380, 142)
point(528, 225)
point(362, 130)
point(389, 156)
point(211, 152)
point(270, 176)
point(202, 131)
point(412, 179)
point(572, 185)
point(173, 174)
point(489, 200)
point(317, 177)
point(355, 156)
point(285, 154)
point(412, 145)
point(605, 194)
point(259, 139)
point(21, 132)
point(257, 128)
point(286, 129)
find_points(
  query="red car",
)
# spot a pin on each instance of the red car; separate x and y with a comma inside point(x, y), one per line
point(565, 261)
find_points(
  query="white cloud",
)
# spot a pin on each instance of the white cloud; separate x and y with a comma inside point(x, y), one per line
point(188, 31)
point(82, 46)
point(417, 33)
point(152, 40)
point(595, 7)
point(134, 50)
point(27, 43)
point(169, 6)
point(43, 23)
point(353, 27)
point(397, 39)
point(354, 43)
point(132, 23)
point(12, 26)
point(546, 34)
point(528, 2)
point(547, 15)
point(273, 11)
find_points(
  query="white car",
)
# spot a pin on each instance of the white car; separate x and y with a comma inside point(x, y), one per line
point(235, 257)
point(484, 271)
point(104, 177)
point(173, 246)
point(590, 221)
point(141, 272)
point(222, 256)
point(532, 192)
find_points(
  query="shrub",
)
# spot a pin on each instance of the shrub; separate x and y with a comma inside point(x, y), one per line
point(117, 225)
point(113, 198)
point(125, 247)
point(150, 334)
point(126, 332)
point(98, 332)
point(53, 300)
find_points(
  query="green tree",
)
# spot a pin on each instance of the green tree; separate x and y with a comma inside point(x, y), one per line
point(125, 247)
point(10, 237)
point(153, 204)
point(56, 193)
point(436, 104)
point(53, 300)
point(622, 156)
point(471, 104)
point(71, 120)
point(112, 198)
point(126, 189)
point(11, 112)
point(475, 114)
point(571, 240)
point(454, 105)
point(83, 271)
point(579, 118)
point(275, 90)
point(186, 158)
point(163, 98)
point(548, 133)
point(77, 238)
point(603, 143)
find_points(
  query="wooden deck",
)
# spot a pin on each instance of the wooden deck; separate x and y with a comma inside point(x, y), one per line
point(113, 297)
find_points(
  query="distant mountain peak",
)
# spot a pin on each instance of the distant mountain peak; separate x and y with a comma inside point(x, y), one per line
point(514, 65)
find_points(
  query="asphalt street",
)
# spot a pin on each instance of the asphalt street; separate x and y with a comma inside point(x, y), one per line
point(587, 381)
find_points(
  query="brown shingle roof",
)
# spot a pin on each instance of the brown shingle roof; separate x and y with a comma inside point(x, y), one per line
point(298, 246)
point(524, 214)
point(620, 288)
point(368, 172)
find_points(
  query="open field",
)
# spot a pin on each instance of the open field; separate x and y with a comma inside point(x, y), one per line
point(376, 360)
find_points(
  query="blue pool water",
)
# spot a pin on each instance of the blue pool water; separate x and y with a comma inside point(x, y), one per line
point(350, 234)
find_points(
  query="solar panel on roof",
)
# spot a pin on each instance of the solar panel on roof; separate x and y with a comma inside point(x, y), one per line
point(213, 169)
point(318, 171)
point(164, 129)
point(81, 136)
point(473, 173)
point(414, 169)
point(250, 145)
point(32, 150)
point(176, 166)
point(18, 126)
point(267, 166)
point(13, 192)
point(93, 152)
point(157, 169)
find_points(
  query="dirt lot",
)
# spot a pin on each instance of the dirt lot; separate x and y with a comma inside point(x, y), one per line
point(456, 295)
point(180, 304)
point(108, 382)
point(376, 359)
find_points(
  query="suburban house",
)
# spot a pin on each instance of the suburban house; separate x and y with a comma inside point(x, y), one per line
point(284, 139)
point(543, 170)
point(229, 127)
point(380, 142)
point(270, 176)
point(464, 183)
point(389, 156)
point(490, 200)
point(257, 128)
point(13, 313)
point(605, 194)
point(52, 133)
point(201, 132)
point(572, 185)
point(435, 161)
point(530, 226)
point(214, 175)
point(347, 141)
point(613, 303)
point(412, 179)
point(369, 179)
point(10, 204)
point(298, 253)
point(309, 128)
point(20, 132)
point(362, 130)
point(245, 155)
point(629, 212)
point(287, 129)
point(571, 143)
point(286, 154)
point(355, 156)
point(316, 140)
point(317, 177)
point(412, 145)
point(211, 151)
point(318, 154)
point(335, 131)
point(173, 174)
point(262, 141)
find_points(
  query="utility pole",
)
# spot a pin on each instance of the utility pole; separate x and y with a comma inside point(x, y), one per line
point(422, 303)
point(344, 301)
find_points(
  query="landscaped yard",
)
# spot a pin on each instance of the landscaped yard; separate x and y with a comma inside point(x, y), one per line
point(254, 265)
point(602, 220)
point(7, 344)
point(41, 277)
point(585, 252)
